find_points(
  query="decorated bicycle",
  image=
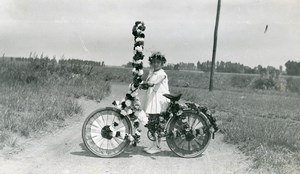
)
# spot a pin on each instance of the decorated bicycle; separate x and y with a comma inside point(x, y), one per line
point(187, 127)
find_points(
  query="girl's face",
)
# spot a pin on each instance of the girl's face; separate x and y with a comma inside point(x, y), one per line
point(156, 64)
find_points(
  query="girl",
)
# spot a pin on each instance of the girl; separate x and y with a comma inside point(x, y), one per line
point(157, 85)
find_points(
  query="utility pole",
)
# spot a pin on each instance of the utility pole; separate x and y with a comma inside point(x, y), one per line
point(214, 47)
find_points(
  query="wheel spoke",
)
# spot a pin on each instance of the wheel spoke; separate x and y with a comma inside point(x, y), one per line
point(109, 119)
point(114, 143)
point(104, 144)
point(179, 144)
point(199, 143)
point(183, 144)
point(121, 129)
point(95, 131)
point(99, 121)
point(198, 125)
point(192, 125)
point(177, 126)
point(98, 140)
point(109, 145)
point(118, 140)
point(96, 125)
point(102, 119)
point(113, 120)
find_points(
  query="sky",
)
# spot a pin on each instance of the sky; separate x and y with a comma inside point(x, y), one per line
point(183, 31)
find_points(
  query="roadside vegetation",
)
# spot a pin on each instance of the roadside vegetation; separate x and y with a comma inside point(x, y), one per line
point(39, 95)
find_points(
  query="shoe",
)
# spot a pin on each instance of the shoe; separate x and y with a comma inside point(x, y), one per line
point(154, 150)
point(147, 148)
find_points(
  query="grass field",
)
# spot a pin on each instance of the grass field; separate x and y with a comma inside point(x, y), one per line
point(265, 126)
point(222, 81)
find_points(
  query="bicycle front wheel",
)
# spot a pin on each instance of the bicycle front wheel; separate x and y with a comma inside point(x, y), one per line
point(188, 138)
point(96, 133)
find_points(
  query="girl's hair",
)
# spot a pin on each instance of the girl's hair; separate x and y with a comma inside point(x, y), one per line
point(157, 56)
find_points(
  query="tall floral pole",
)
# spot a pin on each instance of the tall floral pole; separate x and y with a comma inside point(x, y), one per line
point(130, 106)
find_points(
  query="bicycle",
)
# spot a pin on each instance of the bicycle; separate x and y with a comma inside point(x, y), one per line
point(187, 127)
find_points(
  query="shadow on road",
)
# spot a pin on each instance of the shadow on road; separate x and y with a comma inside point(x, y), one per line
point(129, 152)
point(84, 152)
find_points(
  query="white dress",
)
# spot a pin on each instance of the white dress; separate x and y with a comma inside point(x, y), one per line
point(155, 102)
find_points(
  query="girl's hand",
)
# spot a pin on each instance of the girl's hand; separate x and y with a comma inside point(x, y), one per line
point(145, 86)
point(150, 84)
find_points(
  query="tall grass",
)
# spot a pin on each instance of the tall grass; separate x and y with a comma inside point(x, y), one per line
point(37, 99)
point(264, 126)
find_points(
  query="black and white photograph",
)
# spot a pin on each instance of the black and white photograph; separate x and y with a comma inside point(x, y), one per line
point(149, 87)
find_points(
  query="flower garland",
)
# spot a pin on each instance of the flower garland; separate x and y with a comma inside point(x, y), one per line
point(130, 106)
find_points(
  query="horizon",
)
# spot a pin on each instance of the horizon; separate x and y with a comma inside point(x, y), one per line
point(183, 31)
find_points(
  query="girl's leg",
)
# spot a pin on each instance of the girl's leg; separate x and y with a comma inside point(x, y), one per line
point(151, 120)
point(157, 147)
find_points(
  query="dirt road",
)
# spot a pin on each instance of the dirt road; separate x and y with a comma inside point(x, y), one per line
point(63, 152)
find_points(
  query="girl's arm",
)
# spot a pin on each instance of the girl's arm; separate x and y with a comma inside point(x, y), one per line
point(156, 81)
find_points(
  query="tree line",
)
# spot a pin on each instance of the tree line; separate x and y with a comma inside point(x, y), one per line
point(291, 67)
point(53, 60)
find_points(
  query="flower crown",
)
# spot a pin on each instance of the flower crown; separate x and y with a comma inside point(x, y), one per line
point(157, 56)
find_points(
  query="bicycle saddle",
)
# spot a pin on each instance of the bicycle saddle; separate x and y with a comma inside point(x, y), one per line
point(173, 97)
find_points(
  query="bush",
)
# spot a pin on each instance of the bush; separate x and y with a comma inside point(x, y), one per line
point(293, 84)
point(241, 81)
point(264, 83)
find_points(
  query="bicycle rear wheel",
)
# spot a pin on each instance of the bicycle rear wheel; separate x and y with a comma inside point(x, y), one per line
point(188, 139)
point(97, 135)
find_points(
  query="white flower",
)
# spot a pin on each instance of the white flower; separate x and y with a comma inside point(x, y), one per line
point(137, 105)
point(184, 120)
point(139, 39)
point(137, 61)
point(138, 48)
point(141, 72)
point(138, 133)
point(119, 106)
point(142, 116)
point(128, 103)
point(111, 127)
point(123, 112)
point(134, 70)
point(130, 137)
point(129, 111)
point(116, 102)
point(113, 133)
point(131, 87)
point(134, 94)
